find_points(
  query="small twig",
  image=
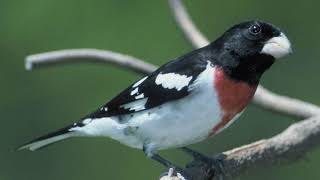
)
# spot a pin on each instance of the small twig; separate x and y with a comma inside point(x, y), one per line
point(89, 56)
point(191, 32)
point(284, 105)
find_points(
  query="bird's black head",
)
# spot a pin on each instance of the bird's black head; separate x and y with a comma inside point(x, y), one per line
point(247, 50)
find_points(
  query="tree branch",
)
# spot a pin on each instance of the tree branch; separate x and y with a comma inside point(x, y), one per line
point(291, 144)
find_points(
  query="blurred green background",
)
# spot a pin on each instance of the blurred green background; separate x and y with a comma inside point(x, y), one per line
point(34, 103)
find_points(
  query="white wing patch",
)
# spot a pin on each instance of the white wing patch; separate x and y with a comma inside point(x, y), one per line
point(137, 105)
point(135, 91)
point(139, 82)
point(104, 109)
point(140, 96)
point(172, 80)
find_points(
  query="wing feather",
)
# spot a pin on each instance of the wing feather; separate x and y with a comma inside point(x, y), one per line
point(168, 83)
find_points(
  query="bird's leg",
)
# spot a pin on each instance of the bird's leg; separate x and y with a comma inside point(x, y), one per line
point(164, 162)
point(169, 165)
point(216, 162)
point(177, 170)
point(196, 155)
point(151, 152)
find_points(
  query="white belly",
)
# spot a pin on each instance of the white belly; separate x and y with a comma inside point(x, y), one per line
point(180, 123)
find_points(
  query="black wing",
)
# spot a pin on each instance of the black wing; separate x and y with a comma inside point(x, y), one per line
point(146, 93)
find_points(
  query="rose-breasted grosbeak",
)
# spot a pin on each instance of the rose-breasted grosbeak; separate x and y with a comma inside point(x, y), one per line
point(187, 100)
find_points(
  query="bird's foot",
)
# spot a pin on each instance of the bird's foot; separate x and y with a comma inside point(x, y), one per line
point(218, 166)
point(216, 162)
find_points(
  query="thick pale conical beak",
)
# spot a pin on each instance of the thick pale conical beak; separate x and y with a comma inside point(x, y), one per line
point(277, 47)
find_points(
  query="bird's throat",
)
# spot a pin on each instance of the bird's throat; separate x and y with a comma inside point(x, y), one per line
point(233, 97)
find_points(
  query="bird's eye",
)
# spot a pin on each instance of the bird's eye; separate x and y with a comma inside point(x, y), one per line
point(255, 29)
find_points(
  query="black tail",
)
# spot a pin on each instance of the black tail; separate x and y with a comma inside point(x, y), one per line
point(49, 139)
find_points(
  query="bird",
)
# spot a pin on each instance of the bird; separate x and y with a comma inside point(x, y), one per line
point(187, 100)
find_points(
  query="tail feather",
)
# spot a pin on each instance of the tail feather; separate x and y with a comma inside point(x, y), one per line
point(49, 139)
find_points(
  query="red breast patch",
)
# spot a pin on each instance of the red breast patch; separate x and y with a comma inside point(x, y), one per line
point(233, 97)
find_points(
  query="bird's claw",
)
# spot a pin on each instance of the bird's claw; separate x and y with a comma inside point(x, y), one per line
point(218, 166)
point(215, 162)
point(180, 173)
